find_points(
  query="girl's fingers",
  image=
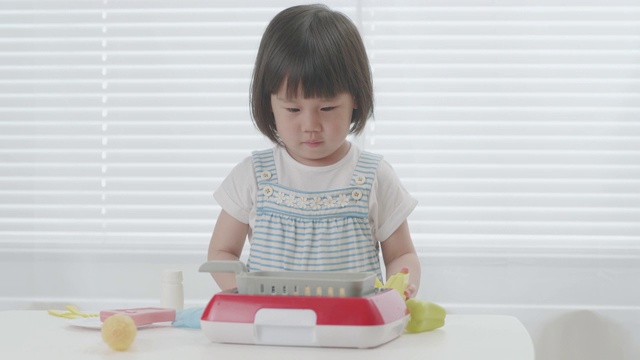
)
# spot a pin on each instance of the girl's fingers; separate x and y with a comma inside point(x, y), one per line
point(410, 291)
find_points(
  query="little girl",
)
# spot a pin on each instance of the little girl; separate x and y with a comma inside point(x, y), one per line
point(314, 202)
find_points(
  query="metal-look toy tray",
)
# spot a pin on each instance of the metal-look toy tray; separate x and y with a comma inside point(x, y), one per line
point(334, 284)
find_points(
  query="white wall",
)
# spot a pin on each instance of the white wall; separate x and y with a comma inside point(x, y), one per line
point(576, 306)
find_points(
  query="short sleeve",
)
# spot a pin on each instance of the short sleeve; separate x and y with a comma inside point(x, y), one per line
point(237, 192)
point(390, 202)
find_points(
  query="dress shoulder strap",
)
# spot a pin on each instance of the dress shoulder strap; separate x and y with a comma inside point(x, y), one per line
point(264, 166)
point(365, 171)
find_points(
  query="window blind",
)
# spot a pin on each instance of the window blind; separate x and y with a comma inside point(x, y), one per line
point(513, 125)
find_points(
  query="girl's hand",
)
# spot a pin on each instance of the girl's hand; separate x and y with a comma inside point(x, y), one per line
point(411, 289)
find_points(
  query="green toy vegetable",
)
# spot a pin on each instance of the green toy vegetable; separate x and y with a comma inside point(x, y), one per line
point(425, 316)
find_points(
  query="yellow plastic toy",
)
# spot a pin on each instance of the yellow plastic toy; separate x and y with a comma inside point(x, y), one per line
point(424, 315)
point(72, 313)
point(119, 331)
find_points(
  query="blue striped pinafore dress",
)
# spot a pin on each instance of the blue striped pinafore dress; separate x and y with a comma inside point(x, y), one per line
point(313, 231)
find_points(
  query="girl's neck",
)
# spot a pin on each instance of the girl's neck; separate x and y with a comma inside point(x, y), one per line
point(334, 158)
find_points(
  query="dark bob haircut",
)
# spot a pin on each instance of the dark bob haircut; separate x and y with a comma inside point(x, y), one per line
point(317, 50)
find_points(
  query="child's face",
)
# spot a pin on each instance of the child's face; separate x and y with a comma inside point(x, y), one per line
point(313, 130)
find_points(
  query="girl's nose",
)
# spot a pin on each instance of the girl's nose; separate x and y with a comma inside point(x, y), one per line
point(311, 122)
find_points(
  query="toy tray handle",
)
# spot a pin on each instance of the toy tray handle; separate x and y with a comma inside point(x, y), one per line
point(235, 266)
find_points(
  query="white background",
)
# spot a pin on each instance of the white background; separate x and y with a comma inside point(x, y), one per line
point(514, 123)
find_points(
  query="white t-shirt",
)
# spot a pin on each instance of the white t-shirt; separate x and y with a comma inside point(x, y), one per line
point(390, 203)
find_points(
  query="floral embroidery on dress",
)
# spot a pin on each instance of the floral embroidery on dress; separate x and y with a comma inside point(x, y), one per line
point(315, 203)
point(290, 200)
point(343, 200)
point(302, 202)
point(279, 197)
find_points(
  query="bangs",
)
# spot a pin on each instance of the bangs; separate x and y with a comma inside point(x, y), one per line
point(314, 77)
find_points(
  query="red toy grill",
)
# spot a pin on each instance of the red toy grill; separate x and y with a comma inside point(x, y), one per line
point(325, 309)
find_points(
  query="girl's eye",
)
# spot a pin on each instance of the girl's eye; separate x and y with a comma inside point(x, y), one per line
point(293, 110)
point(328, 108)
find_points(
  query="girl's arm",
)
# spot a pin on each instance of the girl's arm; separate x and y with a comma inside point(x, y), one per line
point(226, 243)
point(399, 253)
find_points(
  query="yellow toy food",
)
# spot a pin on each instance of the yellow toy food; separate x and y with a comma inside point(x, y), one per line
point(119, 331)
point(424, 315)
point(399, 282)
point(72, 313)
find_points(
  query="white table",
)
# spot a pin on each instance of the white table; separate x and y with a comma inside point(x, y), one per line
point(38, 335)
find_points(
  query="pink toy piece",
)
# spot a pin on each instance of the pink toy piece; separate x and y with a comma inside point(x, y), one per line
point(142, 316)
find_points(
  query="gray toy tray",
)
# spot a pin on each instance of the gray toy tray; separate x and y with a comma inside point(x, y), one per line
point(338, 284)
